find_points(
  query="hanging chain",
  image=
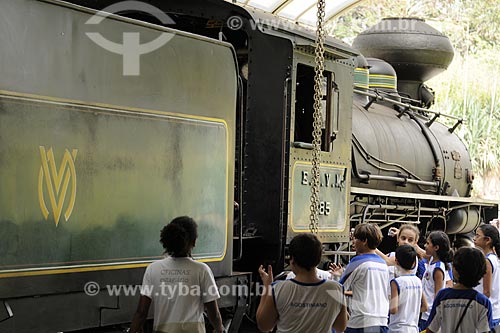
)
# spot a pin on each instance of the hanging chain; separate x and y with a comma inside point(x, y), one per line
point(318, 97)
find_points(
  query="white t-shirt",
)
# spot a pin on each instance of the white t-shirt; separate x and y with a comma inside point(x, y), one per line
point(307, 307)
point(409, 299)
point(179, 288)
point(428, 283)
point(322, 275)
point(367, 276)
point(393, 270)
point(449, 306)
point(495, 285)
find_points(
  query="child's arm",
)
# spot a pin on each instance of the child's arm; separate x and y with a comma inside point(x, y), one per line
point(390, 261)
point(141, 314)
point(267, 314)
point(487, 279)
point(335, 270)
point(423, 304)
point(394, 303)
point(438, 280)
point(421, 252)
point(448, 283)
point(214, 316)
point(340, 322)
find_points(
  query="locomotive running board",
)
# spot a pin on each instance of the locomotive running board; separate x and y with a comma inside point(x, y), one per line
point(431, 197)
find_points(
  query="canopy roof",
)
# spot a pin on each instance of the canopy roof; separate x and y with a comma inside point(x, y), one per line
point(300, 11)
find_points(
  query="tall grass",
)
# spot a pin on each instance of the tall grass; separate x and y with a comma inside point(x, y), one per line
point(470, 88)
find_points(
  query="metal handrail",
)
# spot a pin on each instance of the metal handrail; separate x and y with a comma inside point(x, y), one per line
point(377, 96)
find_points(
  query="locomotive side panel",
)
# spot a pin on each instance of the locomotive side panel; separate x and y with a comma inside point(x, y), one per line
point(94, 162)
point(88, 182)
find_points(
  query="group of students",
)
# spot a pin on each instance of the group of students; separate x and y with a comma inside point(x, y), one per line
point(408, 291)
point(401, 292)
point(472, 303)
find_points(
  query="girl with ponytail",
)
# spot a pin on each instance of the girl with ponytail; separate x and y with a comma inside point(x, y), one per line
point(437, 247)
point(486, 239)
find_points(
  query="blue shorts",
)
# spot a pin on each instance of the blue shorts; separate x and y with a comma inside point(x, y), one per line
point(373, 329)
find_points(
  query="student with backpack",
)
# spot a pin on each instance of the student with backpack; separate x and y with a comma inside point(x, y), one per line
point(461, 309)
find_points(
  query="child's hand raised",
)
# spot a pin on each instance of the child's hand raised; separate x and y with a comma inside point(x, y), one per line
point(267, 278)
point(335, 269)
point(393, 232)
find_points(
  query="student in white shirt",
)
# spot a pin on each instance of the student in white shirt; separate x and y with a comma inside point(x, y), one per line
point(487, 239)
point(304, 303)
point(407, 234)
point(462, 309)
point(367, 277)
point(166, 281)
point(407, 300)
point(437, 247)
point(320, 273)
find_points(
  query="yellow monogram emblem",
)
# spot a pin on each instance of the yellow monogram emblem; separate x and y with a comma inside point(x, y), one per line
point(57, 183)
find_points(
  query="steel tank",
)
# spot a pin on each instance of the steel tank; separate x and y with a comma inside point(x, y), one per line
point(416, 50)
point(397, 149)
point(404, 154)
point(402, 150)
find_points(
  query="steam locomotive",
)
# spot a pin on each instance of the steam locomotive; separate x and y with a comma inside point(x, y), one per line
point(111, 125)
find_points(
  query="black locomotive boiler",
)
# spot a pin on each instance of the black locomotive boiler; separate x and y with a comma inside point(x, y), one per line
point(398, 144)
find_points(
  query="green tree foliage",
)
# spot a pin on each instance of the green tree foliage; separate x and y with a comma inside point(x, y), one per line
point(470, 88)
point(471, 24)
